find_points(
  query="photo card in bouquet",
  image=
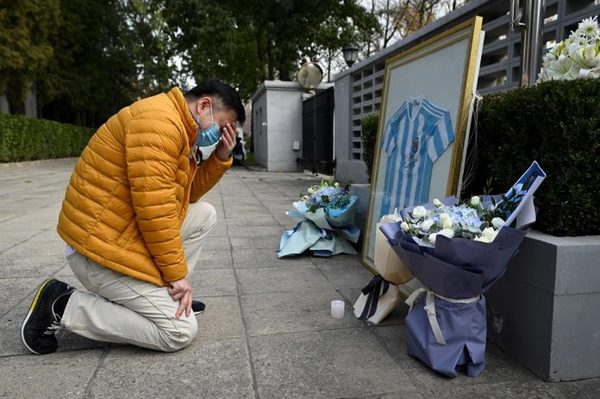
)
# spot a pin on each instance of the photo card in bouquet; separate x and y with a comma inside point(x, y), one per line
point(428, 93)
point(528, 183)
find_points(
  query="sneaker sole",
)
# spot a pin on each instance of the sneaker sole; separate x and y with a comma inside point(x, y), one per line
point(34, 303)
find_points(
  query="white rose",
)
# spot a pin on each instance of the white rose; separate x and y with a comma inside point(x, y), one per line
point(432, 238)
point(437, 203)
point(336, 185)
point(489, 233)
point(445, 221)
point(444, 232)
point(310, 191)
point(482, 239)
point(419, 212)
point(426, 225)
point(404, 226)
point(498, 222)
point(447, 232)
point(475, 201)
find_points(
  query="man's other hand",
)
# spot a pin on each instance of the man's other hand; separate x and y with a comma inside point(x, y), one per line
point(181, 291)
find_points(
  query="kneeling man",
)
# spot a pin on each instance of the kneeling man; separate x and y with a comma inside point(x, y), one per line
point(134, 225)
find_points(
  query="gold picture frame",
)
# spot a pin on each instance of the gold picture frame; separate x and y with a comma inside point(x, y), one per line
point(440, 75)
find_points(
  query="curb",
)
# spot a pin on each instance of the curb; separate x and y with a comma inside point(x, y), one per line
point(24, 164)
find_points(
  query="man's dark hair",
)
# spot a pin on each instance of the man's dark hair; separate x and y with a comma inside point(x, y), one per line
point(224, 92)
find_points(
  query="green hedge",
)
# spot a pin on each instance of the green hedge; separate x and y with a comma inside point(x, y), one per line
point(24, 139)
point(558, 124)
point(368, 135)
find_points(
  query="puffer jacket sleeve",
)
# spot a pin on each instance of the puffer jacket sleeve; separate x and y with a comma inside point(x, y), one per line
point(152, 150)
point(208, 174)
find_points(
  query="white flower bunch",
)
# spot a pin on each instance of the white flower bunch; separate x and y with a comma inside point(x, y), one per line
point(328, 194)
point(578, 56)
point(470, 220)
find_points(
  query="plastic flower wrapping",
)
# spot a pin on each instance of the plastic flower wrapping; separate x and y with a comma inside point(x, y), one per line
point(326, 226)
point(578, 56)
point(457, 251)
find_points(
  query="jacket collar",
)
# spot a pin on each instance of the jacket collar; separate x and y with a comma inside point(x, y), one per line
point(191, 127)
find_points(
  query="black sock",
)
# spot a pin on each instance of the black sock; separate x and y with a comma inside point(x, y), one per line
point(60, 304)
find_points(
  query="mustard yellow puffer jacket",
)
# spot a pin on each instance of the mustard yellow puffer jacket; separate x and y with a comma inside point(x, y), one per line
point(131, 187)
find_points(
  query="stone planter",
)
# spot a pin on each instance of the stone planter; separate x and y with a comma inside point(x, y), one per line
point(545, 311)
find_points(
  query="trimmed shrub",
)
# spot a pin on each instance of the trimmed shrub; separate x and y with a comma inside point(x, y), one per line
point(556, 123)
point(24, 139)
point(368, 135)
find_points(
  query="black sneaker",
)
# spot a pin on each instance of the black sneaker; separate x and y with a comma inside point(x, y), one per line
point(197, 307)
point(43, 320)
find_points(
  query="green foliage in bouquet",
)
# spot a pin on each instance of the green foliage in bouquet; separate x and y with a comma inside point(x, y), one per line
point(504, 206)
point(23, 139)
point(556, 123)
point(368, 135)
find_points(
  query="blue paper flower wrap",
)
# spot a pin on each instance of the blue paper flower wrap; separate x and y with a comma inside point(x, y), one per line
point(457, 272)
point(326, 231)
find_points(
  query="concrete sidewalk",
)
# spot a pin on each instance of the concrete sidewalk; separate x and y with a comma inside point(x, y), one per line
point(266, 332)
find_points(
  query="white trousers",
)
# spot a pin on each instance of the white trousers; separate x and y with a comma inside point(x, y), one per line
point(122, 309)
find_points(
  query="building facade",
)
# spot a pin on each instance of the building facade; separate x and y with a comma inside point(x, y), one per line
point(277, 125)
point(359, 90)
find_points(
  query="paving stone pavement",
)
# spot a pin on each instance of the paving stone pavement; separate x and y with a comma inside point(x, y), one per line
point(266, 331)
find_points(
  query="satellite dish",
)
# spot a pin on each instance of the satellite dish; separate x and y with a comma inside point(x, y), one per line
point(310, 75)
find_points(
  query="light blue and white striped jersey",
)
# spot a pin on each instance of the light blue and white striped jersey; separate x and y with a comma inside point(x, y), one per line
point(414, 138)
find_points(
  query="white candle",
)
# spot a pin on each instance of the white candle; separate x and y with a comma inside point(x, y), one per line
point(337, 309)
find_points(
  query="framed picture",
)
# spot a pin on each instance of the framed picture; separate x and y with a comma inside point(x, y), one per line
point(427, 102)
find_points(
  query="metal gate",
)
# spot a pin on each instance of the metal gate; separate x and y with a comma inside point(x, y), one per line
point(317, 133)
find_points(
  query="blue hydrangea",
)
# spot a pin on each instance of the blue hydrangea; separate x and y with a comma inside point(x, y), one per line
point(328, 197)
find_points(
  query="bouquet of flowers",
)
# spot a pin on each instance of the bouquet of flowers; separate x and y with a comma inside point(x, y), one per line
point(457, 251)
point(475, 219)
point(578, 56)
point(326, 226)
